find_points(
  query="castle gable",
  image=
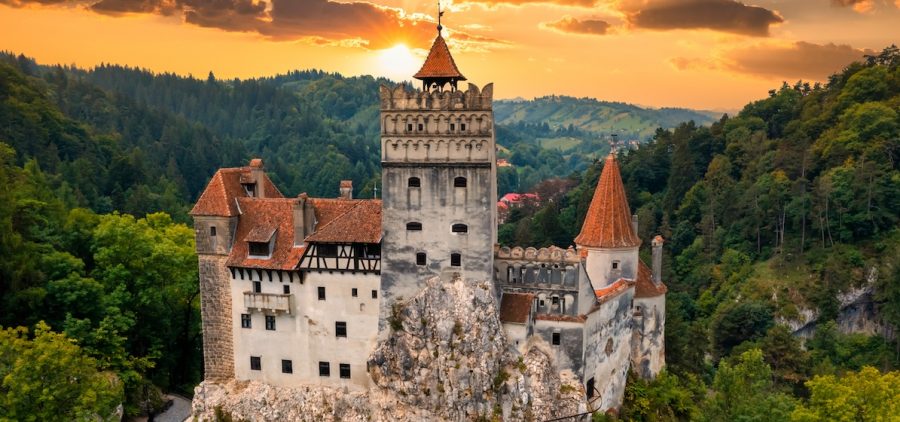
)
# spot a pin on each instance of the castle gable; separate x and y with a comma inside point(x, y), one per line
point(218, 199)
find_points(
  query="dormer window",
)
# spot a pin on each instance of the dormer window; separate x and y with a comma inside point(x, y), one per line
point(250, 189)
point(259, 248)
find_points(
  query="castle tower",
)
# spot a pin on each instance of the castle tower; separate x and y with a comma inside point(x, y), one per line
point(439, 179)
point(608, 239)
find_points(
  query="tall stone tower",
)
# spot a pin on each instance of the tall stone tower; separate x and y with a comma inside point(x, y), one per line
point(439, 178)
point(608, 238)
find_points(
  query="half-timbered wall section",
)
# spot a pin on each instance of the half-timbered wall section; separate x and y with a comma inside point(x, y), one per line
point(362, 257)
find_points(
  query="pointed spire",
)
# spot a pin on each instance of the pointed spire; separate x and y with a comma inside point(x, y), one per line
point(439, 67)
point(608, 220)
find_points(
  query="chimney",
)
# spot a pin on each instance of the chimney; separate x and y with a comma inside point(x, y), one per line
point(346, 189)
point(657, 259)
point(300, 219)
point(256, 177)
point(634, 223)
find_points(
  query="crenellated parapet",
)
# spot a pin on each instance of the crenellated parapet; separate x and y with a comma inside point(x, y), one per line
point(402, 98)
point(551, 254)
point(437, 126)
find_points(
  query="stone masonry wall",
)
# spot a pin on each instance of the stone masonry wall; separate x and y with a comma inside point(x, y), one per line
point(215, 311)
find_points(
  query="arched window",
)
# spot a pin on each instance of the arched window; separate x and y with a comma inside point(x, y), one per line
point(459, 182)
point(414, 182)
point(460, 228)
point(414, 226)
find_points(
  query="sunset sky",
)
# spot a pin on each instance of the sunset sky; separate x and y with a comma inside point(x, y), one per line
point(710, 54)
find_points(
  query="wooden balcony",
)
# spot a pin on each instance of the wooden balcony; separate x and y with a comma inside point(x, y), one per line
point(267, 302)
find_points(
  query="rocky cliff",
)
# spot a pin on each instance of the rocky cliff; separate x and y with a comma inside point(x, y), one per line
point(446, 358)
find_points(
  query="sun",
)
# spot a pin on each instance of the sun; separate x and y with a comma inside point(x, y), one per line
point(398, 62)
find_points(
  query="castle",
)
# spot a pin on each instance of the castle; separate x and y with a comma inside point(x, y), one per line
point(298, 291)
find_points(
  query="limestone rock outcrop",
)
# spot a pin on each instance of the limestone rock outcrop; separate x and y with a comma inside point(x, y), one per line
point(445, 358)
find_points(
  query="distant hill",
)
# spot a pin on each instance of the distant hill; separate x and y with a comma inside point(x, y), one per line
point(595, 116)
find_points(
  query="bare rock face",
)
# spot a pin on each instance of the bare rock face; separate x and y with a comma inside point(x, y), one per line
point(446, 358)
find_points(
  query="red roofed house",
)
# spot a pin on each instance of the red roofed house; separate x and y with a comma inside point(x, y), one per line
point(289, 286)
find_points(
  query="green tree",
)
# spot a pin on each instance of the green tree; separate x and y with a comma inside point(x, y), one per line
point(744, 391)
point(50, 378)
point(867, 395)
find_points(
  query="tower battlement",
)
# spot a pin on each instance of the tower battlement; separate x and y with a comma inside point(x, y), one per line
point(437, 126)
point(472, 99)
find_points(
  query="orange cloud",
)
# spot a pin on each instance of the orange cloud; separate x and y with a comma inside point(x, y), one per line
point(800, 60)
point(575, 26)
point(357, 23)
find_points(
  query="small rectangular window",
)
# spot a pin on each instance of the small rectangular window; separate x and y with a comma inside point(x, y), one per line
point(324, 369)
point(212, 231)
point(554, 300)
point(255, 363)
point(420, 258)
point(321, 291)
point(246, 322)
point(409, 127)
point(287, 366)
point(459, 182)
point(414, 226)
point(354, 292)
point(452, 126)
point(462, 127)
point(374, 294)
point(270, 322)
point(340, 329)
point(455, 259)
point(345, 370)
point(541, 303)
point(421, 127)
point(257, 287)
point(259, 248)
point(414, 182)
point(287, 289)
point(615, 265)
point(459, 228)
point(556, 339)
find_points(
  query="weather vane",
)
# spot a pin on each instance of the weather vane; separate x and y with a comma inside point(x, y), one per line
point(440, 13)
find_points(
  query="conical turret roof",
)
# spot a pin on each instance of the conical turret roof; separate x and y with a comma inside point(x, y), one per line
point(608, 220)
point(439, 64)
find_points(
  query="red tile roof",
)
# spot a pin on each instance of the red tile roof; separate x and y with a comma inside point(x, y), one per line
point(516, 307)
point(644, 286)
point(218, 199)
point(260, 215)
point(612, 290)
point(608, 220)
point(360, 222)
point(439, 63)
point(337, 221)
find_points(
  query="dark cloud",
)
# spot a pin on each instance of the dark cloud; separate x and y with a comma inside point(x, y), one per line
point(720, 15)
point(357, 23)
point(575, 26)
point(800, 60)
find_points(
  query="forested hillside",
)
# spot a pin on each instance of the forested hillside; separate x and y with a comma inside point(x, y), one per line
point(772, 218)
